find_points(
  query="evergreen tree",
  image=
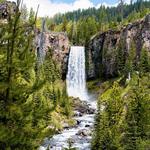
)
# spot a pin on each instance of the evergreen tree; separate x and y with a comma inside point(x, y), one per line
point(102, 16)
point(31, 16)
point(64, 25)
point(144, 64)
point(107, 129)
point(123, 123)
point(137, 117)
point(130, 60)
point(120, 58)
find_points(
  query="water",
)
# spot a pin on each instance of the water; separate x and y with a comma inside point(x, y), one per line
point(81, 133)
point(76, 79)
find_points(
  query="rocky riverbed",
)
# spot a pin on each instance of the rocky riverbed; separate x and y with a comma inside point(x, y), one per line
point(80, 135)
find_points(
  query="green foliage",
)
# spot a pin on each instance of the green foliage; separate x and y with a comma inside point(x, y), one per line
point(64, 25)
point(66, 103)
point(130, 61)
point(51, 70)
point(120, 58)
point(123, 123)
point(1, 1)
point(18, 128)
point(144, 63)
point(108, 120)
point(105, 13)
point(85, 29)
point(31, 16)
point(137, 120)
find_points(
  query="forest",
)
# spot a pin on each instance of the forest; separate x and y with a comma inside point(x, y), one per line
point(81, 25)
point(34, 101)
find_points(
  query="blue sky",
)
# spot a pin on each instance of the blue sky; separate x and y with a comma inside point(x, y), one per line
point(94, 1)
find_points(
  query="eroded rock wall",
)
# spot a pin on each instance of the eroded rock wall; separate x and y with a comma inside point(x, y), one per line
point(102, 48)
point(59, 44)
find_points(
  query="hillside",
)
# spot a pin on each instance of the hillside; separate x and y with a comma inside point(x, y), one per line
point(81, 25)
point(109, 13)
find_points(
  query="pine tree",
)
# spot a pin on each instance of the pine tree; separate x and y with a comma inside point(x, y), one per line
point(31, 16)
point(120, 58)
point(107, 129)
point(144, 64)
point(137, 117)
point(121, 8)
point(130, 60)
point(64, 25)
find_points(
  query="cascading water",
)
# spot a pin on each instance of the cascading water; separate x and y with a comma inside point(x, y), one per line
point(76, 80)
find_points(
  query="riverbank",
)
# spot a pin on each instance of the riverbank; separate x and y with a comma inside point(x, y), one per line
point(78, 136)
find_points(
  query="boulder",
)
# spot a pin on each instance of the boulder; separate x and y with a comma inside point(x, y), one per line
point(82, 107)
point(87, 125)
point(84, 132)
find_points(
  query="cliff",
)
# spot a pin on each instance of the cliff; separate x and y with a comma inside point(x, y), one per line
point(102, 50)
point(59, 44)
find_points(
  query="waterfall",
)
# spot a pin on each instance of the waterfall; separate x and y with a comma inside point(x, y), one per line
point(76, 80)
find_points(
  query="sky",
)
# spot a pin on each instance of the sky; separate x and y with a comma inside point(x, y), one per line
point(51, 7)
point(95, 2)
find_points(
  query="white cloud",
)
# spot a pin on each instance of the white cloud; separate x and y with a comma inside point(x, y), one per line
point(82, 4)
point(49, 8)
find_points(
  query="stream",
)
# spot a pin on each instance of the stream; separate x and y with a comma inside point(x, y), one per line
point(80, 135)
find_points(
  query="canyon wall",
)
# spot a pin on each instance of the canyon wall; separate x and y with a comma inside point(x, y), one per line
point(102, 50)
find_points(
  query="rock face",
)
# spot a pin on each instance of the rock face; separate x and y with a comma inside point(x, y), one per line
point(102, 49)
point(7, 8)
point(59, 44)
